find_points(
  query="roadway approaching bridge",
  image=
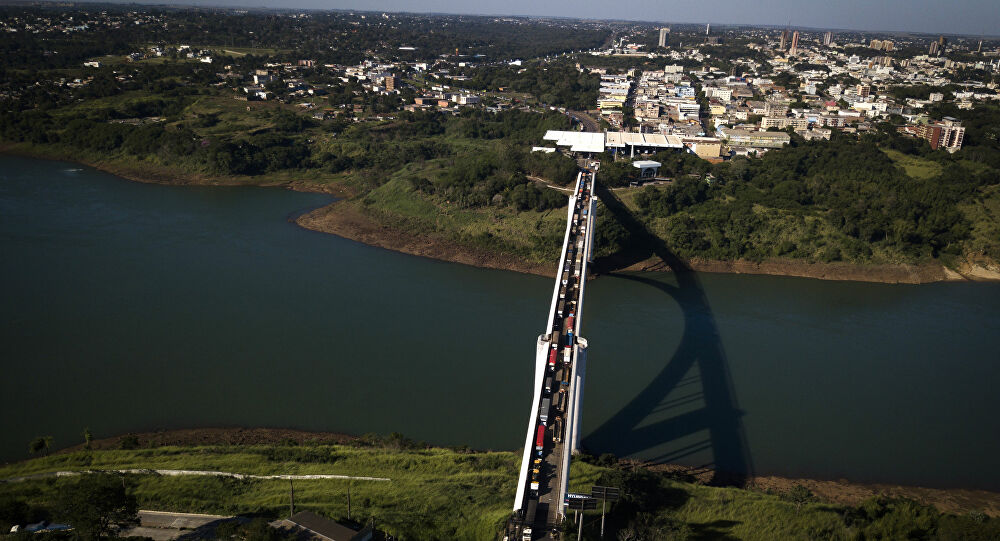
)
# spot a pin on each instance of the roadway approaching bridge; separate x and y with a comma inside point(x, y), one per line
point(553, 434)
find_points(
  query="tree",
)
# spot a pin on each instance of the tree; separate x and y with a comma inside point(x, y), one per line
point(39, 444)
point(97, 506)
point(799, 495)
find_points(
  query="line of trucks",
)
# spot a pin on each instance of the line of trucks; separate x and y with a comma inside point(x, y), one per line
point(558, 374)
point(556, 385)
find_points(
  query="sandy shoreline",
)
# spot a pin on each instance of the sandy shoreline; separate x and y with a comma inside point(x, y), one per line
point(343, 219)
point(842, 491)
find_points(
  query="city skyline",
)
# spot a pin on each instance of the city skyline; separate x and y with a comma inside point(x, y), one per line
point(968, 17)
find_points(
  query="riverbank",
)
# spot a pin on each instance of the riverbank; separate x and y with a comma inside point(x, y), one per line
point(839, 492)
point(422, 492)
point(344, 218)
point(148, 173)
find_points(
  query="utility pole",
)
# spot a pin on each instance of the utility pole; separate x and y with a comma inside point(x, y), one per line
point(603, 505)
point(579, 532)
point(291, 491)
point(348, 500)
point(605, 494)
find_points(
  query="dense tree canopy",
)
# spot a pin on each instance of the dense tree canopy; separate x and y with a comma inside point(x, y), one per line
point(846, 190)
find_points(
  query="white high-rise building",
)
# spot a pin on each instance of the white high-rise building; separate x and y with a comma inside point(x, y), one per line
point(664, 37)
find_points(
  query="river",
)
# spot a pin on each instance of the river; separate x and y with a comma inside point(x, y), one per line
point(130, 307)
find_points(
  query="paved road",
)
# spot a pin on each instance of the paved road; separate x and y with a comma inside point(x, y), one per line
point(589, 123)
point(191, 472)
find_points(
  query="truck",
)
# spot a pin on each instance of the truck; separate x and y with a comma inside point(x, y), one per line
point(543, 411)
point(552, 358)
point(548, 380)
point(540, 440)
point(529, 520)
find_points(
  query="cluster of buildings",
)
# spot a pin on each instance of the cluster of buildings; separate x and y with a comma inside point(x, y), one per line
point(65, 23)
point(809, 84)
point(441, 97)
point(614, 93)
point(946, 134)
point(371, 77)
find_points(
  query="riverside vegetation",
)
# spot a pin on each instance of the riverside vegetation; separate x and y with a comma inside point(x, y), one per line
point(438, 493)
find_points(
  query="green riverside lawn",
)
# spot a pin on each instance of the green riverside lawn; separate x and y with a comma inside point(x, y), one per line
point(437, 493)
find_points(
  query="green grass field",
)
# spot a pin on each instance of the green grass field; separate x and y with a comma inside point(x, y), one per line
point(452, 494)
point(915, 167)
point(984, 214)
point(535, 236)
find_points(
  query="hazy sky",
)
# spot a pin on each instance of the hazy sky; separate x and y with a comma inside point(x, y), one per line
point(933, 16)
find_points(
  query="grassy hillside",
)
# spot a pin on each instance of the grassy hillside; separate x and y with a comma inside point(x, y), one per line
point(439, 493)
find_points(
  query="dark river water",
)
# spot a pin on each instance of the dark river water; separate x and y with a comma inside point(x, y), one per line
point(129, 307)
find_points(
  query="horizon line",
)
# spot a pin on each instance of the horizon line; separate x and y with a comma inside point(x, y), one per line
point(36, 3)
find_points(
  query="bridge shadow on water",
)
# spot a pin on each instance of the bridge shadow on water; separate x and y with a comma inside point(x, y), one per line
point(642, 425)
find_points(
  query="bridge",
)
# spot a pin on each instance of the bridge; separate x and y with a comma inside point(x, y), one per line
point(553, 434)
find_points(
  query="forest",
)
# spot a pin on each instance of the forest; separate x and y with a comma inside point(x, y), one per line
point(554, 83)
point(328, 37)
point(842, 200)
point(493, 171)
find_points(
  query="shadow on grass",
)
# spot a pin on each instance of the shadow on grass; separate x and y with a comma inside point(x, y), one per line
point(627, 432)
point(717, 530)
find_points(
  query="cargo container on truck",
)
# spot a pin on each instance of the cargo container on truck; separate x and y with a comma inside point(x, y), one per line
point(543, 411)
point(529, 519)
point(540, 440)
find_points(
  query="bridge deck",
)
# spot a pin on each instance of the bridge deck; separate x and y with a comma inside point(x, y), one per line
point(558, 384)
